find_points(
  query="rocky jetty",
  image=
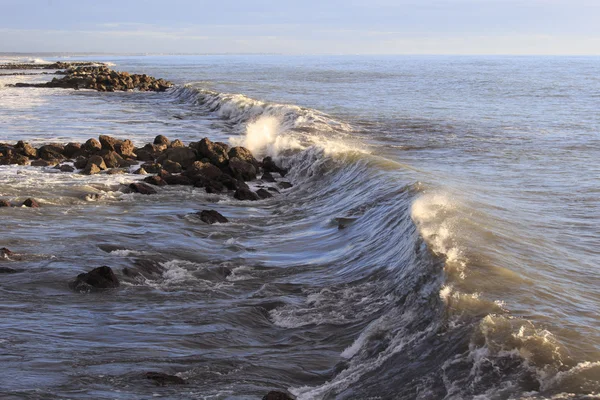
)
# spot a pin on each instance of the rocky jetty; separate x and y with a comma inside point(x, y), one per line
point(54, 65)
point(214, 166)
point(102, 79)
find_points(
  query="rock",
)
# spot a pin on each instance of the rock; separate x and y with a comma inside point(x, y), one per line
point(267, 177)
point(98, 278)
point(141, 171)
point(155, 180)
point(71, 149)
point(97, 161)
point(6, 270)
point(181, 155)
point(203, 170)
point(80, 163)
point(172, 167)
point(285, 185)
point(215, 152)
point(241, 169)
point(243, 154)
point(245, 194)
point(163, 379)
point(112, 159)
point(4, 203)
point(178, 180)
point(231, 183)
point(269, 166)
point(108, 142)
point(152, 168)
point(51, 152)
point(211, 186)
point(66, 168)
point(26, 149)
point(92, 146)
point(177, 143)
point(125, 148)
point(91, 169)
point(263, 193)
point(212, 217)
point(4, 252)
point(161, 139)
point(115, 171)
point(43, 163)
point(142, 188)
point(31, 203)
point(277, 395)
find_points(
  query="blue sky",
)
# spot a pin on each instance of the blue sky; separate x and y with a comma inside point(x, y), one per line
point(302, 27)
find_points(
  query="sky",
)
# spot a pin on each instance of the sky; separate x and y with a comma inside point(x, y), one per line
point(302, 26)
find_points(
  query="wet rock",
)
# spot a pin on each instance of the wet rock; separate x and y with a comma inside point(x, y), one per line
point(112, 159)
point(172, 167)
point(91, 169)
point(31, 203)
point(162, 379)
point(269, 166)
point(231, 183)
point(211, 186)
point(51, 152)
point(4, 203)
point(98, 278)
point(178, 180)
point(263, 193)
point(241, 169)
point(43, 163)
point(285, 185)
point(272, 189)
point(125, 148)
point(152, 168)
point(181, 155)
point(142, 188)
point(267, 177)
point(71, 149)
point(161, 139)
point(155, 180)
point(203, 170)
point(6, 270)
point(245, 194)
point(177, 143)
point(66, 168)
point(141, 171)
point(26, 149)
point(80, 162)
point(4, 252)
point(216, 152)
point(97, 161)
point(107, 142)
point(115, 171)
point(92, 146)
point(277, 395)
point(243, 154)
point(212, 217)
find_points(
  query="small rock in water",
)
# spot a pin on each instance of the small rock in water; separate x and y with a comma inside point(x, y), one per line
point(161, 139)
point(31, 203)
point(263, 193)
point(269, 166)
point(141, 171)
point(155, 180)
point(162, 379)
point(142, 188)
point(66, 168)
point(4, 252)
point(245, 194)
point(98, 278)
point(212, 217)
point(277, 395)
point(285, 185)
point(267, 177)
point(6, 270)
point(4, 203)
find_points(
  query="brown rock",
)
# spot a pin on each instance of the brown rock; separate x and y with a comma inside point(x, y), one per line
point(4, 203)
point(245, 194)
point(243, 154)
point(115, 171)
point(172, 166)
point(71, 149)
point(66, 168)
point(161, 139)
point(92, 146)
point(108, 142)
point(125, 148)
point(177, 143)
point(98, 161)
point(212, 217)
point(242, 169)
point(26, 149)
point(215, 152)
point(182, 155)
point(155, 180)
point(112, 159)
point(80, 163)
point(152, 168)
point(91, 169)
point(142, 188)
point(51, 152)
point(178, 180)
point(203, 170)
point(31, 203)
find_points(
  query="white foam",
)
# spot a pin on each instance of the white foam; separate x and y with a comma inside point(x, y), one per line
point(126, 253)
point(265, 136)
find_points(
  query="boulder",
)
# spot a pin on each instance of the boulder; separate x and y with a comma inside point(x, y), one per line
point(285, 185)
point(125, 148)
point(172, 167)
point(66, 168)
point(51, 152)
point(182, 155)
point(269, 165)
point(97, 161)
point(98, 278)
point(203, 170)
point(177, 143)
point(243, 154)
point(212, 217)
point(115, 171)
point(215, 152)
point(31, 203)
point(91, 169)
point(26, 149)
point(71, 149)
point(80, 163)
point(161, 139)
point(155, 180)
point(92, 146)
point(43, 163)
point(142, 188)
point(152, 168)
point(141, 171)
point(267, 177)
point(263, 193)
point(245, 194)
point(108, 142)
point(178, 180)
point(161, 379)
point(112, 159)
point(231, 183)
point(241, 169)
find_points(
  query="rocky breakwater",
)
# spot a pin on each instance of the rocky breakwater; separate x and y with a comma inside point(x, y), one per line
point(214, 166)
point(103, 79)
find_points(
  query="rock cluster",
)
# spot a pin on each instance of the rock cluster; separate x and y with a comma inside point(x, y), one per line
point(214, 166)
point(55, 65)
point(103, 79)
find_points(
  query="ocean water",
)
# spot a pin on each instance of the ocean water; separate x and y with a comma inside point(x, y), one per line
point(440, 241)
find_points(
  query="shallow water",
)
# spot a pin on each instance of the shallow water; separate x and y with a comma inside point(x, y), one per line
point(467, 189)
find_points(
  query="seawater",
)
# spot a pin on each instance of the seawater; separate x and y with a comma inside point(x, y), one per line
point(440, 240)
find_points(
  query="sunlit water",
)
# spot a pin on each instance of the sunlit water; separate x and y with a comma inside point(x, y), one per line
point(467, 266)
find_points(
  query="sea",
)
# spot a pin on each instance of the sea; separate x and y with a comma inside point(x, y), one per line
point(441, 239)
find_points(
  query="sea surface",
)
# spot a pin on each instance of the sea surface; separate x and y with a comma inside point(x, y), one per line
point(441, 239)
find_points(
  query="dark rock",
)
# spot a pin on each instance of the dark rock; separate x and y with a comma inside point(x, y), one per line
point(285, 185)
point(71, 149)
point(269, 166)
point(211, 186)
point(263, 193)
point(241, 169)
point(115, 171)
point(92, 146)
point(43, 163)
point(243, 154)
point(152, 168)
point(277, 395)
point(161, 139)
point(66, 168)
point(163, 174)
point(26, 149)
point(31, 203)
point(91, 169)
point(80, 163)
point(4, 203)
point(245, 194)
point(178, 180)
point(155, 180)
point(231, 183)
point(172, 167)
point(141, 171)
point(142, 188)
point(97, 161)
point(212, 217)
point(203, 170)
point(98, 278)
point(112, 159)
point(108, 142)
point(267, 177)
point(163, 379)
point(177, 143)
point(181, 155)
point(215, 152)
point(51, 152)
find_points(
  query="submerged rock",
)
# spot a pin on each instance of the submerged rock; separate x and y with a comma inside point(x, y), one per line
point(245, 194)
point(4, 203)
point(31, 203)
point(212, 217)
point(98, 278)
point(263, 193)
point(142, 188)
point(162, 379)
point(277, 395)
point(269, 166)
